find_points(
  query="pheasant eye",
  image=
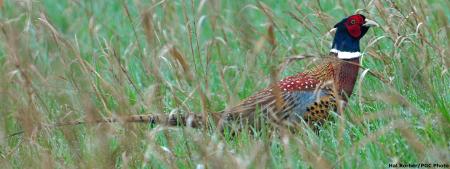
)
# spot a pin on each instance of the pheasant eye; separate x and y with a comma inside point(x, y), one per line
point(352, 22)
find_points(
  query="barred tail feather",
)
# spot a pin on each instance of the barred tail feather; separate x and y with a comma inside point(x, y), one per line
point(189, 120)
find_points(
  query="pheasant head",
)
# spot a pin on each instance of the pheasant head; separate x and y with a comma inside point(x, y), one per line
point(348, 33)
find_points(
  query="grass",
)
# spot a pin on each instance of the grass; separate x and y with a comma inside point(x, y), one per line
point(65, 60)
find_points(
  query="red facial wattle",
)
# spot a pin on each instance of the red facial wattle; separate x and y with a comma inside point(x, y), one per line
point(353, 25)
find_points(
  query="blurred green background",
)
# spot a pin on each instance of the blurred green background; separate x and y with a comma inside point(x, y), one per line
point(71, 60)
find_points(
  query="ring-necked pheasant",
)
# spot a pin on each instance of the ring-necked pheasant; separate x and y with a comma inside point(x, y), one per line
point(310, 95)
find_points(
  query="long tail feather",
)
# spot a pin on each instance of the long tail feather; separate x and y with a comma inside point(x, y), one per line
point(189, 120)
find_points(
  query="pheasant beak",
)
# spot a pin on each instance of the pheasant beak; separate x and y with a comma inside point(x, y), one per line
point(369, 23)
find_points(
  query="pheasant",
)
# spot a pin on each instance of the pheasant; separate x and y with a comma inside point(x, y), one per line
point(313, 94)
point(309, 95)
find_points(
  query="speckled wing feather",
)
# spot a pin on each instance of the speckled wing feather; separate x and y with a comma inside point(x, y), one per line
point(297, 94)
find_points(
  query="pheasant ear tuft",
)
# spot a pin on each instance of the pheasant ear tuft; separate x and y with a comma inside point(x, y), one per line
point(332, 31)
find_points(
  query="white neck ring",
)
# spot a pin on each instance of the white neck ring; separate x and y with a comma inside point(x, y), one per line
point(346, 55)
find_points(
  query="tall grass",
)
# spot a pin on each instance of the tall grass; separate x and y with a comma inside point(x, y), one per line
point(66, 60)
